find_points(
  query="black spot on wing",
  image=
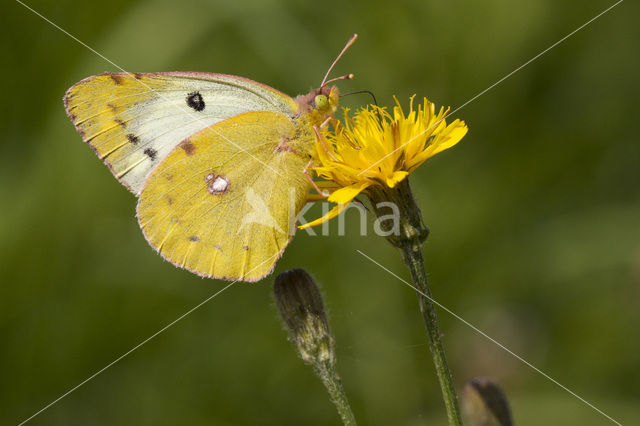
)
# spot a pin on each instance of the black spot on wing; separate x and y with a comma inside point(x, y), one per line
point(133, 138)
point(151, 153)
point(195, 101)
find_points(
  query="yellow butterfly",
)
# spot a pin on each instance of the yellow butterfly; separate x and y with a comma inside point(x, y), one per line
point(218, 162)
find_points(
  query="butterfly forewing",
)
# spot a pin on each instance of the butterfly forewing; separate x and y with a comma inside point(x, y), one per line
point(133, 121)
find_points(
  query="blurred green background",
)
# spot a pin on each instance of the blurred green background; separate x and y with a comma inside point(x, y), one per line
point(535, 219)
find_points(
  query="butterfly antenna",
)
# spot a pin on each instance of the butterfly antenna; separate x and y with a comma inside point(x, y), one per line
point(361, 91)
point(344, 77)
point(372, 95)
point(347, 46)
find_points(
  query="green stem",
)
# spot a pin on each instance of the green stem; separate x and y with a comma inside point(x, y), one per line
point(332, 382)
point(412, 255)
point(408, 232)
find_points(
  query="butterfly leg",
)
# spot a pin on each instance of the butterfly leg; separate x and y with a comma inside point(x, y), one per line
point(305, 171)
point(327, 121)
point(321, 139)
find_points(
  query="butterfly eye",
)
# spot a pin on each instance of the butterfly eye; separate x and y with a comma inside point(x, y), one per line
point(321, 101)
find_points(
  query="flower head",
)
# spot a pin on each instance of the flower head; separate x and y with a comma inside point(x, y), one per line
point(377, 148)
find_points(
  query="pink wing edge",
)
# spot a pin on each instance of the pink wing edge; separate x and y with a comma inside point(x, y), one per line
point(190, 74)
point(215, 277)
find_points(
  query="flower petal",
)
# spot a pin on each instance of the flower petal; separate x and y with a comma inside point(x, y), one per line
point(453, 133)
point(348, 193)
point(327, 217)
point(397, 176)
point(449, 136)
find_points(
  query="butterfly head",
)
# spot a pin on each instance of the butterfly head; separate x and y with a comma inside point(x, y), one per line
point(319, 103)
point(323, 102)
point(326, 99)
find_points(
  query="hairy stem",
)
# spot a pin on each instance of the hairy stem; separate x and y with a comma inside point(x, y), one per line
point(408, 233)
point(413, 258)
point(332, 382)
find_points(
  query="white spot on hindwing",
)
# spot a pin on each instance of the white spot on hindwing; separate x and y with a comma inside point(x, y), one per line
point(220, 184)
point(217, 184)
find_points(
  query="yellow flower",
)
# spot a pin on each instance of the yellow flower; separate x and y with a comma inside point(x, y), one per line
point(375, 148)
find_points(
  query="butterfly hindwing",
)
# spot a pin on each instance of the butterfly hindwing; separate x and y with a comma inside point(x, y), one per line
point(225, 211)
point(133, 121)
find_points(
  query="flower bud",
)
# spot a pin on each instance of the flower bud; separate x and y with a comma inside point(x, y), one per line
point(300, 305)
point(485, 404)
